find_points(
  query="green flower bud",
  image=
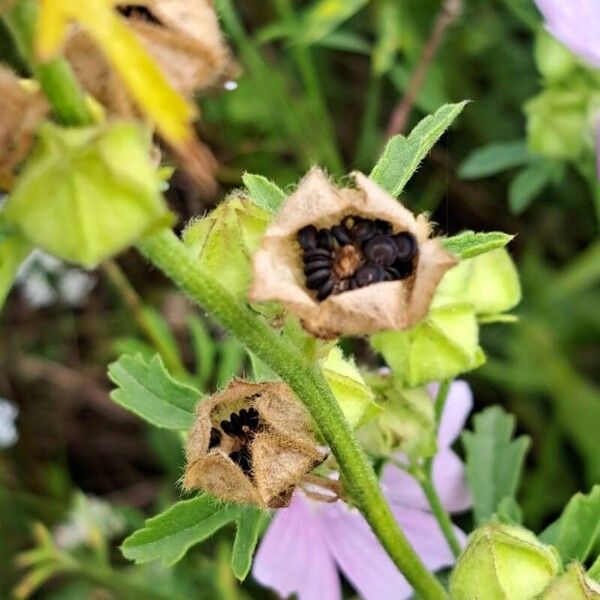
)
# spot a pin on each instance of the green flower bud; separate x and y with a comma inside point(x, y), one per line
point(225, 240)
point(557, 122)
point(86, 194)
point(349, 388)
point(489, 282)
point(503, 562)
point(573, 585)
point(443, 345)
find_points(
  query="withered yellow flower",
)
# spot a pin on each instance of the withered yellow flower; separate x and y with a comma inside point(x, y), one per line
point(252, 443)
point(349, 261)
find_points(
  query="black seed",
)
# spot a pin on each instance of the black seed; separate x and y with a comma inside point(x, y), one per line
point(311, 267)
point(341, 234)
point(314, 280)
point(227, 427)
point(381, 249)
point(370, 273)
point(234, 419)
point(242, 458)
point(407, 245)
point(326, 289)
point(401, 270)
point(307, 237)
point(362, 230)
point(215, 438)
point(353, 284)
point(316, 254)
point(325, 239)
point(383, 227)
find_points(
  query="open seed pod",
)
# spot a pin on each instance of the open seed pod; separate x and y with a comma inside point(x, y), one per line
point(348, 261)
point(252, 443)
point(184, 38)
point(22, 111)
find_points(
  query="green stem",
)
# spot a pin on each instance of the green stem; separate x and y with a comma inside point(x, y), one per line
point(135, 305)
point(306, 67)
point(56, 76)
point(169, 254)
point(582, 273)
point(425, 479)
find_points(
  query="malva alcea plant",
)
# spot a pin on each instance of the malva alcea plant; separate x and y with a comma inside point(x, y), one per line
point(287, 275)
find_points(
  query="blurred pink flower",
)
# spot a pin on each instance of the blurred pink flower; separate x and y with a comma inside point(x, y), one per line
point(308, 542)
point(576, 23)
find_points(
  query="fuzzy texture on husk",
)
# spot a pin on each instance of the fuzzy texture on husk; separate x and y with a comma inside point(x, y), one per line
point(278, 268)
point(282, 450)
point(22, 111)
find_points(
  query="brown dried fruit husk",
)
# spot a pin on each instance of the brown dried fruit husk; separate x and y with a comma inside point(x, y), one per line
point(282, 451)
point(186, 43)
point(278, 266)
point(22, 111)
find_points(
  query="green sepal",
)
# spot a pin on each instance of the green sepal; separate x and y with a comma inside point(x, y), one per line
point(86, 194)
point(225, 240)
point(349, 388)
point(573, 585)
point(13, 251)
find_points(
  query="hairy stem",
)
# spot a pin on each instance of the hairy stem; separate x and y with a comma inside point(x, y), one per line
point(170, 255)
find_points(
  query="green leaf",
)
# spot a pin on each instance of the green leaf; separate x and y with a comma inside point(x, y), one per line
point(509, 511)
point(469, 244)
point(14, 249)
point(324, 16)
point(249, 524)
point(494, 460)
point(402, 155)
point(147, 390)
point(86, 194)
point(388, 37)
point(594, 571)
point(528, 185)
point(263, 192)
point(576, 532)
point(231, 360)
point(494, 158)
point(345, 41)
point(168, 536)
point(205, 349)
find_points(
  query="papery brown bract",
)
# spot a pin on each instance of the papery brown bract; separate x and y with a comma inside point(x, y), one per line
point(22, 111)
point(282, 450)
point(278, 273)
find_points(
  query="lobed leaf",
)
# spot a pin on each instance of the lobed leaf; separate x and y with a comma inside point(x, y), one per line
point(147, 389)
point(263, 192)
point(469, 244)
point(402, 155)
point(171, 534)
point(494, 461)
point(577, 531)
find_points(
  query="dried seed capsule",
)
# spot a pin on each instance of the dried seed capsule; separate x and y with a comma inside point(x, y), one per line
point(307, 237)
point(325, 239)
point(362, 230)
point(317, 265)
point(316, 254)
point(370, 273)
point(381, 249)
point(326, 289)
point(316, 279)
point(407, 245)
point(341, 234)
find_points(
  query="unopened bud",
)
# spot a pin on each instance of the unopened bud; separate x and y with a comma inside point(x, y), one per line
point(573, 585)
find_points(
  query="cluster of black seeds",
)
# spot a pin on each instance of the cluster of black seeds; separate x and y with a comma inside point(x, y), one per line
point(355, 253)
point(242, 425)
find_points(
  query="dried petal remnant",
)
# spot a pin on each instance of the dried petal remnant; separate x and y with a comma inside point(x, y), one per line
point(252, 443)
point(327, 248)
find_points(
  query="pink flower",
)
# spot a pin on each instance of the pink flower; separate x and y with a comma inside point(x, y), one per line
point(308, 542)
point(576, 23)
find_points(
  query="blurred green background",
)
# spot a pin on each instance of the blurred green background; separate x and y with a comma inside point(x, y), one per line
point(320, 89)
